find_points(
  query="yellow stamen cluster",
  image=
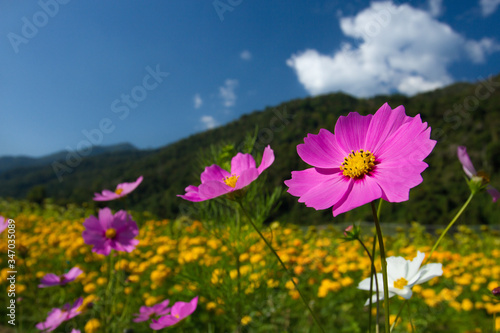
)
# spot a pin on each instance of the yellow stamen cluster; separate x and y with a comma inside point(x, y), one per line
point(358, 163)
point(401, 283)
point(231, 180)
point(110, 233)
point(119, 191)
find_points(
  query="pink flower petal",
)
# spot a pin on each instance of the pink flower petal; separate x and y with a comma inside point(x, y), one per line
point(385, 122)
point(105, 218)
point(328, 192)
point(242, 162)
point(410, 141)
point(321, 150)
point(493, 192)
point(350, 132)
point(192, 194)
point(246, 177)
point(362, 192)
point(467, 165)
point(212, 189)
point(267, 159)
point(214, 173)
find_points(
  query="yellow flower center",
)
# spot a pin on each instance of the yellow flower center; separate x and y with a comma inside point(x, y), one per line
point(231, 180)
point(358, 163)
point(401, 283)
point(119, 191)
point(110, 233)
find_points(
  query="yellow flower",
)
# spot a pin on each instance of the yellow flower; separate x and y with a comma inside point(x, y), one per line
point(467, 305)
point(246, 320)
point(92, 326)
point(101, 281)
point(211, 306)
point(89, 288)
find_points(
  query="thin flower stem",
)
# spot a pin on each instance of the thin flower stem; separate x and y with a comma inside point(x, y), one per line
point(449, 226)
point(282, 265)
point(384, 268)
point(373, 273)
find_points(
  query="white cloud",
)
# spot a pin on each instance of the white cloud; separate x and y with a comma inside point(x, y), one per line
point(400, 48)
point(209, 122)
point(227, 93)
point(435, 7)
point(488, 7)
point(246, 55)
point(198, 102)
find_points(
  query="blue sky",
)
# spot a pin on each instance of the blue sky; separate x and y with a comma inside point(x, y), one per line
point(153, 72)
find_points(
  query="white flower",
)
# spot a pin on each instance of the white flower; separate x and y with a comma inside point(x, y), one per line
point(402, 275)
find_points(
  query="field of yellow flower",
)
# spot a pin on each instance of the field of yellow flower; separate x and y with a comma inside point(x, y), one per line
point(181, 259)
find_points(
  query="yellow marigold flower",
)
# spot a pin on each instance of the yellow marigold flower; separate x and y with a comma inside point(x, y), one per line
point(492, 285)
point(255, 258)
point(89, 288)
point(134, 278)
point(478, 305)
point(211, 306)
point(294, 294)
point(346, 282)
point(92, 326)
point(40, 274)
point(475, 287)
point(101, 281)
point(467, 305)
point(246, 320)
point(127, 290)
point(298, 270)
point(20, 288)
point(271, 283)
point(289, 283)
point(497, 323)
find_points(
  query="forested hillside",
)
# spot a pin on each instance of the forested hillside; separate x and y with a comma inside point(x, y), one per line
point(461, 114)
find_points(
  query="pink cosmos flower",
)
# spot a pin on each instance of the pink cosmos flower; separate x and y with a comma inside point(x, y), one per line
point(57, 316)
point(216, 181)
point(470, 171)
point(110, 232)
point(146, 313)
point(51, 279)
point(179, 311)
point(368, 157)
point(3, 223)
point(121, 190)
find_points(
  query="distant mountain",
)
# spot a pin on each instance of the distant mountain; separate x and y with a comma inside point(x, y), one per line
point(460, 114)
point(12, 162)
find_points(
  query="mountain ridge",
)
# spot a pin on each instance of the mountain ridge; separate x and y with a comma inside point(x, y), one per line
point(460, 114)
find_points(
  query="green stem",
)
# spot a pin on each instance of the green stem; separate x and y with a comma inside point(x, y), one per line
point(373, 273)
point(449, 226)
point(384, 268)
point(282, 265)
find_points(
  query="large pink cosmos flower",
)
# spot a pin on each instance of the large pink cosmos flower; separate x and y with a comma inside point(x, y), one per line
point(471, 172)
point(57, 316)
point(147, 312)
point(51, 279)
point(121, 190)
point(216, 181)
point(368, 157)
point(110, 232)
point(179, 311)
